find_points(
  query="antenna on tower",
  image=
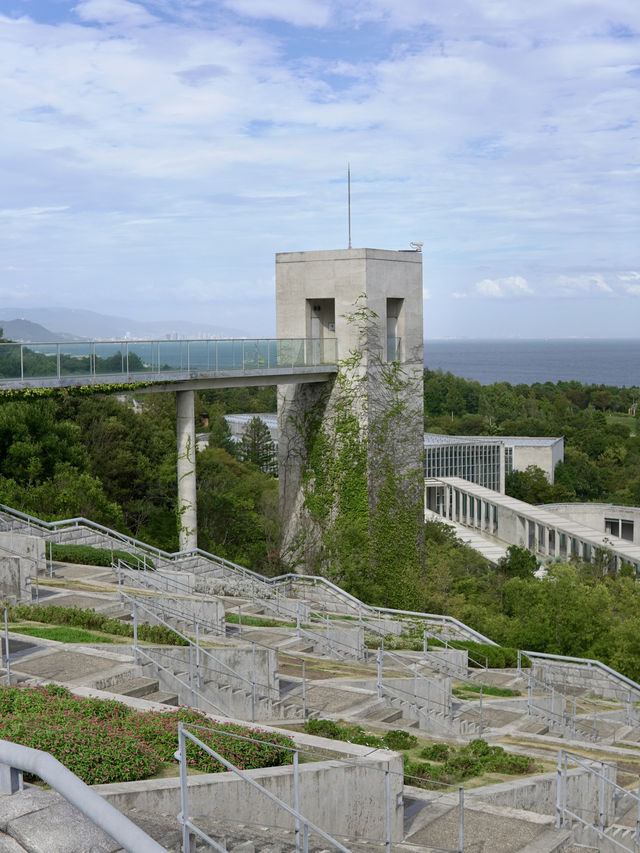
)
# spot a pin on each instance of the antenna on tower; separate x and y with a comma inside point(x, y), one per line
point(349, 199)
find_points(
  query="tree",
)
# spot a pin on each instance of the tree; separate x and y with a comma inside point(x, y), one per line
point(257, 448)
point(237, 510)
point(220, 432)
point(518, 562)
point(530, 485)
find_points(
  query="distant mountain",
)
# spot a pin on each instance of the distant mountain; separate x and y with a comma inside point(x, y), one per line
point(25, 331)
point(77, 324)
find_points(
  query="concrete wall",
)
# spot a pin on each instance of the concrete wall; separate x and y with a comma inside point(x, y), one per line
point(21, 557)
point(341, 798)
point(594, 514)
point(543, 456)
point(539, 793)
point(595, 680)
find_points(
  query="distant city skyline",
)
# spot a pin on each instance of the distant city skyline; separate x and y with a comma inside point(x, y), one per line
point(156, 155)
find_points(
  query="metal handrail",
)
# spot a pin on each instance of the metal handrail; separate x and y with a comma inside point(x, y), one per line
point(313, 579)
point(183, 734)
point(618, 676)
point(75, 791)
point(561, 797)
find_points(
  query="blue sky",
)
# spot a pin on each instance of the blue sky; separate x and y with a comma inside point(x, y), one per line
point(154, 156)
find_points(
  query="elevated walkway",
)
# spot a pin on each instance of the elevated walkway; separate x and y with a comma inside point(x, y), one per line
point(167, 365)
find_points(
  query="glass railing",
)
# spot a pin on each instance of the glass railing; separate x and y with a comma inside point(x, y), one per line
point(115, 360)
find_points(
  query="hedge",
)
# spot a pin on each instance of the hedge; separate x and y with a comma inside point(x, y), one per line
point(87, 555)
point(89, 619)
point(106, 741)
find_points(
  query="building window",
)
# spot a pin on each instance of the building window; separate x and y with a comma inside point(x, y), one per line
point(626, 530)
point(612, 526)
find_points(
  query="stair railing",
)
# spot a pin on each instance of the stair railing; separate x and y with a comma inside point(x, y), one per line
point(303, 826)
point(601, 816)
point(16, 758)
point(196, 654)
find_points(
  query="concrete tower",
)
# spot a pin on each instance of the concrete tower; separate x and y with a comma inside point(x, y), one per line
point(317, 295)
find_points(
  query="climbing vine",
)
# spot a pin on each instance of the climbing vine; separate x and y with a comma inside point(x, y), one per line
point(362, 474)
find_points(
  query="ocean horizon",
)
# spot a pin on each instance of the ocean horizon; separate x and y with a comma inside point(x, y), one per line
point(600, 361)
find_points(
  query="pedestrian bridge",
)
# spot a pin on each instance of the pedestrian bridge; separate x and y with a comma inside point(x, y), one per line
point(167, 364)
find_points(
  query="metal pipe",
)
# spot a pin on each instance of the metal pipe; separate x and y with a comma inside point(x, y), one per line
point(74, 790)
point(296, 798)
point(183, 817)
point(6, 646)
point(387, 796)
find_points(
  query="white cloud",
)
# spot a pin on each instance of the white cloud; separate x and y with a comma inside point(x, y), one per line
point(498, 288)
point(299, 13)
point(114, 12)
point(211, 127)
point(582, 285)
point(632, 275)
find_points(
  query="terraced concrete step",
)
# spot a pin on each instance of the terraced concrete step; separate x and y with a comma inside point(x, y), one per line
point(384, 715)
point(137, 687)
point(161, 696)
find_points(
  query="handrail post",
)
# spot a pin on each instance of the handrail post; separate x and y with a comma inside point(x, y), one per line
point(602, 784)
point(380, 673)
point(304, 691)
point(135, 632)
point(184, 796)
point(638, 817)
point(461, 820)
point(6, 647)
point(191, 673)
point(559, 791)
point(197, 632)
point(387, 799)
point(296, 799)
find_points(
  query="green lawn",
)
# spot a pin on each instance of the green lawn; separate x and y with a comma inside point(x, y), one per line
point(62, 633)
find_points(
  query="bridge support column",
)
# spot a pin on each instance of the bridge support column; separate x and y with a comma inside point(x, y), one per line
point(186, 441)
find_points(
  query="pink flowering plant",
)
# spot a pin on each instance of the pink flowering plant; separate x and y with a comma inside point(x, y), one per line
point(106, 741)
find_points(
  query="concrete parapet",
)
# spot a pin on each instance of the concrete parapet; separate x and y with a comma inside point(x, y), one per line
point(539, 793)
point(343, 798)
point(597, 681)
point(21, 557)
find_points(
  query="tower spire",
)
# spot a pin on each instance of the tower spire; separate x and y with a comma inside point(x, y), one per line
point(349, 199)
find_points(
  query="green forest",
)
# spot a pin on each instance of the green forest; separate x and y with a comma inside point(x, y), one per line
point(66, 454)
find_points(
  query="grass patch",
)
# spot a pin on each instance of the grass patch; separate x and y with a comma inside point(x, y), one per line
point(464, 691)
point(495, 657)
point(105, 741)
point(395, 739)
point(87, 555)
point(90, 620)
point(432, 765)
point(61, 633)
point(232, 618)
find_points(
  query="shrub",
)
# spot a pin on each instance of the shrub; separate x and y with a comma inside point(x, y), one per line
point(105, 741)
point(323, 728)
point(87, 555)
point(436, 752)
point(399, 739)
point(91, 620)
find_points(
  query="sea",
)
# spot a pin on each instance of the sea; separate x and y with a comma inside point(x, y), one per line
point(599, 361)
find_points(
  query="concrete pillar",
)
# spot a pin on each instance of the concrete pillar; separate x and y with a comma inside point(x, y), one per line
point(186, 442)
point(503, 468)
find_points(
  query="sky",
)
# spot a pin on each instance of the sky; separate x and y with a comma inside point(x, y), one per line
point(155, 155)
